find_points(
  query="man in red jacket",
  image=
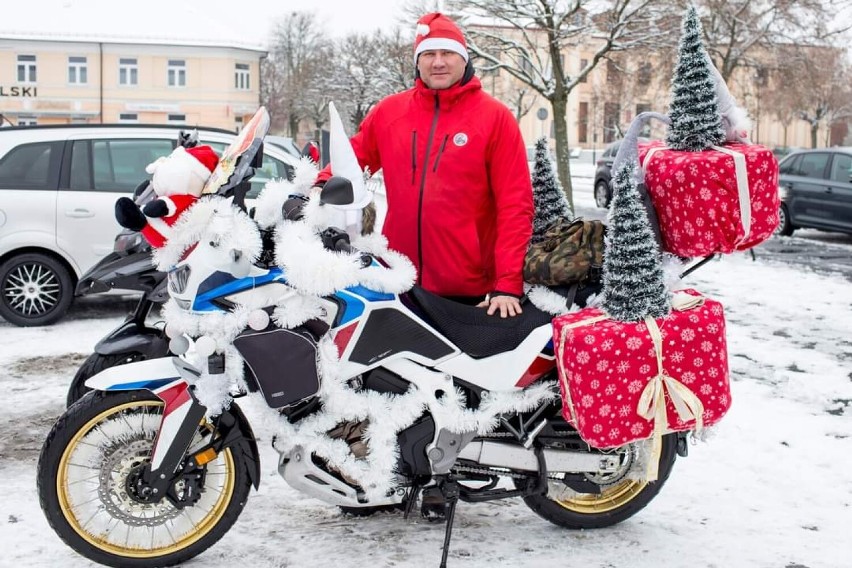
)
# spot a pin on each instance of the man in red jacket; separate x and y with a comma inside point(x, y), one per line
point(459, 196)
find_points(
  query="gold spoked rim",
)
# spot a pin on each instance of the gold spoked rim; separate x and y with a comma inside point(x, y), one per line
point(90, 485)
point(612, 497)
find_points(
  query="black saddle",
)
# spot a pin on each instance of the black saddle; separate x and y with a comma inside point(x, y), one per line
point(472, 330)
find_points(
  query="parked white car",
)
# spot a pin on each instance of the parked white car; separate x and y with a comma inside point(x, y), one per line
point(58, 187)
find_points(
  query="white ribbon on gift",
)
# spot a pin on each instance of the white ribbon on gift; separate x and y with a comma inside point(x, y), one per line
point(652, 401)
point(741, 173)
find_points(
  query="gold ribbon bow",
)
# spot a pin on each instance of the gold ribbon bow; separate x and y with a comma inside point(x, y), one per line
point(652, 402)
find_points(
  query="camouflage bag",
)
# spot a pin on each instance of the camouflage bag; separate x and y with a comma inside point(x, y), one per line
point(571, 253)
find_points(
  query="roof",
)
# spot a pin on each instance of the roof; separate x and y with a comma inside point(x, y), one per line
point(154, 22)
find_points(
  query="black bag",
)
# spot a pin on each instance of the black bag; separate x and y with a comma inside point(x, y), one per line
point(284, 363)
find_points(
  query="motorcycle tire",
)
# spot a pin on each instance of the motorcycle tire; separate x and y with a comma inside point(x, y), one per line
point(93, 365)
point(82, 479)
point(616, 502)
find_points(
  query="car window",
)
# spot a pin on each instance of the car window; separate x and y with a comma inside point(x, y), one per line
point(841, 168)
point(789, 164)
point(31, 166)
point(272, 168)
point(119, 165)
point(813, 165)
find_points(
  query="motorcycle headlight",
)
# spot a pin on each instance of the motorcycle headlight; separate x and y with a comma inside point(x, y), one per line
point(178, 279)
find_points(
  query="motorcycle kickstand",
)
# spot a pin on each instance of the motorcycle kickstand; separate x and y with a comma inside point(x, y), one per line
point(450, 490)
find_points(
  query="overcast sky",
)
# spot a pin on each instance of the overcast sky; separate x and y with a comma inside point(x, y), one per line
point(340, 16)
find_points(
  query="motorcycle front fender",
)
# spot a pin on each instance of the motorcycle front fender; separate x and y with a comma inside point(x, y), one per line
point(152, 375)
point(133, 336)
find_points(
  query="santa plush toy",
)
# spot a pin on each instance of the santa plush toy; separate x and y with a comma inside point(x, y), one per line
point(177, 181)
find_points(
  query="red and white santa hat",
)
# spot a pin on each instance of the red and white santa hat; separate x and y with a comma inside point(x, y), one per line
point(436, 31)
point(205, 160)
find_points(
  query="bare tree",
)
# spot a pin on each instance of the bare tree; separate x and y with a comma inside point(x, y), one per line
point(362, 83)
point(740, 33)
point(528, 38)
point(821, 85)
point(397, 49)
point(291, 69)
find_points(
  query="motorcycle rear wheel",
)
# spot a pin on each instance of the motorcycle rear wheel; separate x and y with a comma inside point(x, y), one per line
point(82, 483)
point(617, 501)
point(94, 364)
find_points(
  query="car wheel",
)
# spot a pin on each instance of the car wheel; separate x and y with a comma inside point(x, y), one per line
point(785, 227)
point(35, 289)
point(602, 194)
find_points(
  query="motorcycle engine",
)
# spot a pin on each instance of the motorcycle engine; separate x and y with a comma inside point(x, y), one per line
point(412, 440)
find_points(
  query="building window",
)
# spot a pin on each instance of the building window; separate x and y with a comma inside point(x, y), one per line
point(177, 73)
point(78, 71)
point(643, 76)
point(128, 117)
point(612, 122)
point(242, 77)
point(583, 123)
point(180, 118)
point(128, 72)
point(613, 73)
point(27, 121)
point(583, 63)
point(238, 123)
point(26, 69)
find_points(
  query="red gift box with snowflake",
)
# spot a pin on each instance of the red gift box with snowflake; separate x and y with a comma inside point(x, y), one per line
point(623, 382)
point(720, 200)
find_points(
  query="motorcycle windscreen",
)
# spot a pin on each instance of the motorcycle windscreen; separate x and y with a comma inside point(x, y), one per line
point(283, 362)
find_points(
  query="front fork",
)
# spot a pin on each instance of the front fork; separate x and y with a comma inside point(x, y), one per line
point(167, 378)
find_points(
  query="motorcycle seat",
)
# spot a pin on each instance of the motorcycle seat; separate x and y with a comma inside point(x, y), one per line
point(472, 330)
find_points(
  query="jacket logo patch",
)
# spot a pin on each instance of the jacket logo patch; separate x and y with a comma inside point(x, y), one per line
point(460, 139)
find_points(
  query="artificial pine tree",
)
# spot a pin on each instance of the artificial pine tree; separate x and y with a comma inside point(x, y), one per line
point(696, 122)
point(633, 280)
point(548, 197)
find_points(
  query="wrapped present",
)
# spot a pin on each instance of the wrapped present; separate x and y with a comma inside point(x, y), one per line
point(721, 200)
point(623, 382)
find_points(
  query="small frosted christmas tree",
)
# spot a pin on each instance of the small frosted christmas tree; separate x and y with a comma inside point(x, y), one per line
point(548, 197)
point(633, 278)
point(696, 121)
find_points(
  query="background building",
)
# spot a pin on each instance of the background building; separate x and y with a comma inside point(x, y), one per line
point(94, 62)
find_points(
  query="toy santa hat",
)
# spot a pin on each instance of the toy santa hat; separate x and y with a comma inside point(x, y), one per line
point(436, 31)
point(200, 160)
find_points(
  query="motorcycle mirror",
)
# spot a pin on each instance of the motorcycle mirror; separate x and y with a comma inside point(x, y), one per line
point(337, 191)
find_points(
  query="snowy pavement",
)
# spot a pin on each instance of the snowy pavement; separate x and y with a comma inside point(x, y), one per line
point(771, 489)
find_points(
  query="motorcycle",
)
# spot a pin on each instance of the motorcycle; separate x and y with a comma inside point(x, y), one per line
point(378, 394)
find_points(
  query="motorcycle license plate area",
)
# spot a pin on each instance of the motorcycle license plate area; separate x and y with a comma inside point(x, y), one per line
point(284, 363)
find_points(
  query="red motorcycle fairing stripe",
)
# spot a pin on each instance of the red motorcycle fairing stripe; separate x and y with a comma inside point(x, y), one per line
point(173, 396)
point(537, 369)
point(343, 336)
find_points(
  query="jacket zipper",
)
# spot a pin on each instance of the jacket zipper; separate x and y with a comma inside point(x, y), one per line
point(440, 152)
point(422, 188)
point(413, 154)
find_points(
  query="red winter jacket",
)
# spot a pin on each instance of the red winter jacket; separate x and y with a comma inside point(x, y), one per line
point(460, 202)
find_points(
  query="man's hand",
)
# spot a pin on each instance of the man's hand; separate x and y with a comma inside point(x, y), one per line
point(509, 306)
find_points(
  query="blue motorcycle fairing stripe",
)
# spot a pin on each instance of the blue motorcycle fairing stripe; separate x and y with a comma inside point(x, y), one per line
point(353, 307)
point(370, 295)
point(202, 301)
point(150, 385)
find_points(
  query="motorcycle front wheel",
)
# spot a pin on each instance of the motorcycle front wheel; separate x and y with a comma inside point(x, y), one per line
point(83, 472)
point(620, 496)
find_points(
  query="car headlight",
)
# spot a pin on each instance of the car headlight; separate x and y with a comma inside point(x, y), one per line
point(783, 192)
point(178, 279)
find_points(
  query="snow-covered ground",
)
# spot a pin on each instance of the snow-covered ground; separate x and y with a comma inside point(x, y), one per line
point(771, 489)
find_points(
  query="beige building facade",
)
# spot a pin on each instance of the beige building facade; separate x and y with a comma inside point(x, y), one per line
point(601, 107)
point(82, 65)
